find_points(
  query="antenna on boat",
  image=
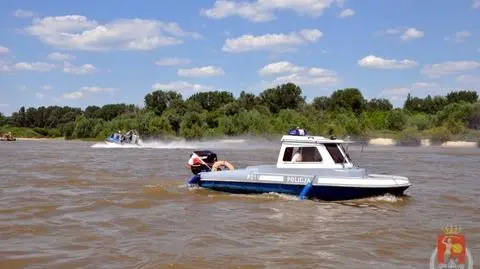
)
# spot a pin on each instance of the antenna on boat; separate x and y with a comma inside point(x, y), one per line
point(364, 144)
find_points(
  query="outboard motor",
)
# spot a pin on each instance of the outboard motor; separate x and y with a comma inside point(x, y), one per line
point(202, 161)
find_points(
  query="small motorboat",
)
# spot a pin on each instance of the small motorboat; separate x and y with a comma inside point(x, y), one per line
point(129, 138)
point(307, 166)
point(8, 137)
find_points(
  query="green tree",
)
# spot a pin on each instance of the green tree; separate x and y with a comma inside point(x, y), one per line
point(159, 101)
point(158, 126)
point(381, 104)
point(321, 103)
point(462, 96)
point(454, 112)
point(474, 117)
point(247, 100)
point(193, 125)
point(20, 118)
point(396, 120)
point(350, 99)
point(285, 96)
point(420, 121)
point(93, 112)
point(83, 127)
point(231, 109)
point(212, 100)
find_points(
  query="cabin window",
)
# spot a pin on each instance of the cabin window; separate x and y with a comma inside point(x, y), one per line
point(335, 152)
point(287, 156)
point(308, 154)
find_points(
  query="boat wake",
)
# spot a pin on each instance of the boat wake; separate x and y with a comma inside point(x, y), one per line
point(192, 144)
point(387, 198)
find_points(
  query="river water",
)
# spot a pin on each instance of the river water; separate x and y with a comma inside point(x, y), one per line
point(72, 204)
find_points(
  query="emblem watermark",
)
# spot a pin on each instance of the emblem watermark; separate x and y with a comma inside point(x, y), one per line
point(451, 251)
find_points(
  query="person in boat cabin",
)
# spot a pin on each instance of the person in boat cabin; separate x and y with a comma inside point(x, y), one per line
point(297, 156)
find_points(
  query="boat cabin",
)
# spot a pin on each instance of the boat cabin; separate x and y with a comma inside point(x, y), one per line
point(300, 150)
point(115, 136)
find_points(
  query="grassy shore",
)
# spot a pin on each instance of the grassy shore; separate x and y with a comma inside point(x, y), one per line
point(406, 135)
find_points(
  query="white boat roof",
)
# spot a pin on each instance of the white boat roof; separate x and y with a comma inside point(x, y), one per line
point(309, 139)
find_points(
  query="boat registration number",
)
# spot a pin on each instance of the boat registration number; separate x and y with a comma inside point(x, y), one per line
point(279, 178)
point(297, 179)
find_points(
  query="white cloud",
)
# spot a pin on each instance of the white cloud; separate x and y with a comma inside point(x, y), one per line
point(424, 85)
point(405, 34)
point(95, 89)
point(35, 66)
point(346, 13)
point(263, 10)
point(183, 87)
point(306, 80)
point(396, 94)
point(205, 71)
point(84, 91)
point(468, 80)
point(19, 13)
point(57, 56)
point(311, 35)
point(172, 62)
point(47, 87)
point(80, 33)
point(271, 41)
point(299, 75)
point(4, 67)
point(459, 36)
point(279, 67)
point(390, 31)
point(378, 62)
point(448, 68)
point(39, 95)
point(476, 4)
point(412, 33)
point(79, 70)
point(73, 95)
point(4, 50)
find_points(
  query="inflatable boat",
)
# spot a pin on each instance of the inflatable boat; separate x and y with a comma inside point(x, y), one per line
point(8, 137)
point(129, 138)
point(307, 166)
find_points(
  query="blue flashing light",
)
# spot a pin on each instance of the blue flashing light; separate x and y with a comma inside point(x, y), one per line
point(297, 132)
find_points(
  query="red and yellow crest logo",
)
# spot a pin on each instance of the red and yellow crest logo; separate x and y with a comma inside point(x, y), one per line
point(451, 247)
point(451, 251)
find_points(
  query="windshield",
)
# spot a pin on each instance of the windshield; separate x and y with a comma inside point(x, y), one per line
point(335, 152)
point(346, 153)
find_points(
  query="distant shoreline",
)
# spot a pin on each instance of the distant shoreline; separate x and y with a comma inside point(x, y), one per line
point(376, 141)
point(39, 138)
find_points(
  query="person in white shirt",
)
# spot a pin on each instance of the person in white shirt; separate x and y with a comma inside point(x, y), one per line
point(297, 157)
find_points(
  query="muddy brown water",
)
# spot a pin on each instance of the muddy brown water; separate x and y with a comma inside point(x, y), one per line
point(70, 205)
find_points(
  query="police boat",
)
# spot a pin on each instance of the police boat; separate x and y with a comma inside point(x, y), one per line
point(311, 167)
point(129, 138)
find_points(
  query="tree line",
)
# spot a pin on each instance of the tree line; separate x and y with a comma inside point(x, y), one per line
point(273, 111)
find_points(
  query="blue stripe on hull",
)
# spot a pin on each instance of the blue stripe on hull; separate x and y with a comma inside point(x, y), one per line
point(326, 193)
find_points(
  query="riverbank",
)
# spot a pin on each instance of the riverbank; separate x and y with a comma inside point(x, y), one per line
point(407, 137)
point(39, 138)
point(424, 143)
point(379, 141)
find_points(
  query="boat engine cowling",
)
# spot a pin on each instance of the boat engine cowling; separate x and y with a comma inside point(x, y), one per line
point(202, 161)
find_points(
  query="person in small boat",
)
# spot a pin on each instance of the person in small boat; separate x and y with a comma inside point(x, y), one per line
point(297, 156)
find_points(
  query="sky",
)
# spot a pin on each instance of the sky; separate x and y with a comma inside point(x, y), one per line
point(81, 53)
